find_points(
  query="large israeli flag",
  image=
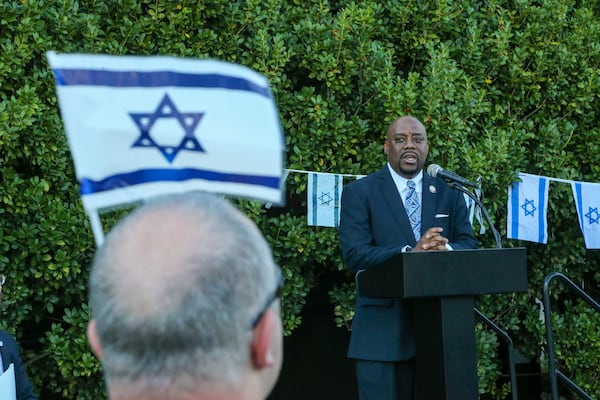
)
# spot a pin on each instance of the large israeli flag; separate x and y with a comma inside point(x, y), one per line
point(527, 209)
point(143, 126)
point(324, 196)
point(587, 200)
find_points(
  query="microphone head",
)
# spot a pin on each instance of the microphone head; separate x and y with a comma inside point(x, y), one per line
point(433, 170)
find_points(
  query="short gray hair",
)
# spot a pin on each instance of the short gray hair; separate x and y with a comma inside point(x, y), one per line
point(173, 307)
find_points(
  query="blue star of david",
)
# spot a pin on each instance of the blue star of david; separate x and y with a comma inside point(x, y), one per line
point(167, 109)
point(593, 215)
point(325, 198)
point(528, 207)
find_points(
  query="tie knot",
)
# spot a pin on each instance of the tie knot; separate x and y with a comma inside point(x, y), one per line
point(410, 184)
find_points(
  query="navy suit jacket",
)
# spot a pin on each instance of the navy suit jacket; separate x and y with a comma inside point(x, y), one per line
point(11, 355)
point(374, 227)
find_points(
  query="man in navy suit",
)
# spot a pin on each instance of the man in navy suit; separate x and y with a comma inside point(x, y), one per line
point(374, 227)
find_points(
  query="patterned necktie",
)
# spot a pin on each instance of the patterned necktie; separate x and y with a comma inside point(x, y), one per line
point(413, 209)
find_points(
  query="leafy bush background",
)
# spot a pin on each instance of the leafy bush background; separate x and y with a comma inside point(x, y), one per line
point(502, 86)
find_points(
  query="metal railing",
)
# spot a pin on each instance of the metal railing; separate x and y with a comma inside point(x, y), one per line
point(510, 350)
point(554, 372)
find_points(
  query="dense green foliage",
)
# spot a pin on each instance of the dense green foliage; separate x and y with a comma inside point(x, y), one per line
point(503, 86)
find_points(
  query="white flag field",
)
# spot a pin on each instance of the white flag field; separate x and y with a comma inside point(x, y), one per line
point(144, 126)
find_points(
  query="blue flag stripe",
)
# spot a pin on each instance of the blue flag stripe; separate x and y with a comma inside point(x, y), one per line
point(336, 218)
point(515, 209)
point(541, 209)
point(90, 77)
point(579, 203)
point(89, 186)
point(315, 180)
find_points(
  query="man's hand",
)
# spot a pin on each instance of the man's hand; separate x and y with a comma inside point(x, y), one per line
point(431, 240)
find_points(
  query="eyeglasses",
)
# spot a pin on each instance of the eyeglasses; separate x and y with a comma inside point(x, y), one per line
point(276, 294)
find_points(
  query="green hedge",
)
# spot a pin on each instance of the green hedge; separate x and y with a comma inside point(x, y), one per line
point(503, 87)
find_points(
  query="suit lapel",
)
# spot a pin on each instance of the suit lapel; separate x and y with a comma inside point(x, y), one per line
point(429, 203)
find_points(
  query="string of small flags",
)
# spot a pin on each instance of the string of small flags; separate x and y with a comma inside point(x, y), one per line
point(527, 205)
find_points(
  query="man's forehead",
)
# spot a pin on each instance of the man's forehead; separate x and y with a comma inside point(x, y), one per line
point(407, 126)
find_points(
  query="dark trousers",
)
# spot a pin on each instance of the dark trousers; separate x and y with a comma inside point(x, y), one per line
point(381, 380)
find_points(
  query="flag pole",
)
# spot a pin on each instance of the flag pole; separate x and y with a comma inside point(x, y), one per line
point(96, 226)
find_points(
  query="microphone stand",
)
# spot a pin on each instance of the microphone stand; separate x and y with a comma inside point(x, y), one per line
point(479, 203)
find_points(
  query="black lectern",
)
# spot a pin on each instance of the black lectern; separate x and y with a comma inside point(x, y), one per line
point(442, 286)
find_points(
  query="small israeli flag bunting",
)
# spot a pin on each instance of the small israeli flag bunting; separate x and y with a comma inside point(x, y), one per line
point(587, 201)
point(474, 210)
point(324, 194)
point(527, 209)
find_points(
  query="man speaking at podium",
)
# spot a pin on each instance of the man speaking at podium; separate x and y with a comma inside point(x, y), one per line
point(396, 209)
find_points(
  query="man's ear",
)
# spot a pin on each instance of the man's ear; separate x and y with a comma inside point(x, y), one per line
point(386, 146)
point(261, 349)
point(92, 335)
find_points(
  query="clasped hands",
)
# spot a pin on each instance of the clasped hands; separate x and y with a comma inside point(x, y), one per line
point(432, 240)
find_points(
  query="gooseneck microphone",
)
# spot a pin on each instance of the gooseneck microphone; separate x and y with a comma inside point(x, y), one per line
point(458, 182)
point(437, 171)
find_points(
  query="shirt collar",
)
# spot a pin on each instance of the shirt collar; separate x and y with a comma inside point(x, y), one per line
point(400, 181)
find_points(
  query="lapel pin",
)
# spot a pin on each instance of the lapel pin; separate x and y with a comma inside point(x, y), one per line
point(432, 189)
